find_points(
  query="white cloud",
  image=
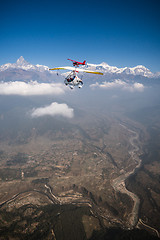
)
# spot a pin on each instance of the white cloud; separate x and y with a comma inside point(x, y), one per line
point(53, 110)
point(138, 86)
point(119, 84)
point(30, 88)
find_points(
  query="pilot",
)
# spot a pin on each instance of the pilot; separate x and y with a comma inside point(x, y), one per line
point(71, 78)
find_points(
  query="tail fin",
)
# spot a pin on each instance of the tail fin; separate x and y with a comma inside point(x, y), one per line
point(84, 63)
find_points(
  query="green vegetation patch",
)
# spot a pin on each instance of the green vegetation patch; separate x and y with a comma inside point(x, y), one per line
point(7, 174)
point(19, 158)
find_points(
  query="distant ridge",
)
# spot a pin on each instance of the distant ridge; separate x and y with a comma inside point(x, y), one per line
point(21, 63)
point(22, 67)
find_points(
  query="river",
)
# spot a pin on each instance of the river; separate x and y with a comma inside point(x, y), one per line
point(119, 183)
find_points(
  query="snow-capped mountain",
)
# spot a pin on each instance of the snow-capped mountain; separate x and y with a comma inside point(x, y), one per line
point(24, 65)
point(23, 70)
point(106, 69)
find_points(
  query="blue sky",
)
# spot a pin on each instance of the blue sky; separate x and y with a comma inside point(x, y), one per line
point(121, 33)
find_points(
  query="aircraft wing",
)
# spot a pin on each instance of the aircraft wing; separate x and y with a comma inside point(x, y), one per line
point(88, 71)
point(60, 68)
point(76, 70)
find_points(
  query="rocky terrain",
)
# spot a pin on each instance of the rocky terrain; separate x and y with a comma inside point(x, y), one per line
point(70, 183)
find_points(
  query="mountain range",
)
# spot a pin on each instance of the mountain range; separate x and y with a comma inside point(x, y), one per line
point(138, 70)
point(25, 71)
point(21, 63)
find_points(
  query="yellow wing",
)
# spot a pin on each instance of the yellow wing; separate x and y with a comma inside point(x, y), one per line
point(76, 69)
point(93, 72)
point(58, 68)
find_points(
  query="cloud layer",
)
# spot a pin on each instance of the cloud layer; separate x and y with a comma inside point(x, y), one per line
point(30, 88)
point(119, 84)
point(53, 110)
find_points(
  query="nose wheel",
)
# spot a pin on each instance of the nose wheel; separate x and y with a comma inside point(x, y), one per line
point(80, 85)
